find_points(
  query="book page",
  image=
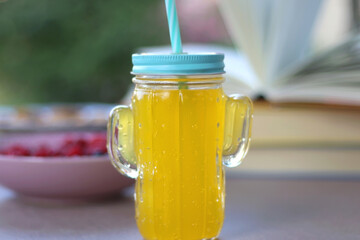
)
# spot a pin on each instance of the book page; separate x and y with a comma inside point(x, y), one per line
point(335, 88)
point(273, 34)
point(245, 22)
point(331, 76)
point(289, 35)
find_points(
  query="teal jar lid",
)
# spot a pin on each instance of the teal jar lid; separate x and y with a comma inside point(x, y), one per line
point(178, 64)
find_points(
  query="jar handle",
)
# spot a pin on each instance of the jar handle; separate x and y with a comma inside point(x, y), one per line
point(237, 132)
point(120, 141)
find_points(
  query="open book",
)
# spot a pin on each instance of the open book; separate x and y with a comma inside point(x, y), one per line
point(272, 57)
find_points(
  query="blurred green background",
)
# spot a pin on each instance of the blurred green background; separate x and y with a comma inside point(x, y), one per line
point(66, 51)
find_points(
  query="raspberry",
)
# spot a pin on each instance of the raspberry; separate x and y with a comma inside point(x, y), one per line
point(75, 150)
point(71, 150)
point(81, 143)
point(17, 150)
point(97, 145)
point(43, 151)
point(72, 146)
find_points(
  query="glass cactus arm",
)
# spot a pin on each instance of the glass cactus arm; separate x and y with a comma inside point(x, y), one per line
point(120, 141)
point(237, 132)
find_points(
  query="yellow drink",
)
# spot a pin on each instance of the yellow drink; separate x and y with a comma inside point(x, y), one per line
point(178, 146)
point(175, 139)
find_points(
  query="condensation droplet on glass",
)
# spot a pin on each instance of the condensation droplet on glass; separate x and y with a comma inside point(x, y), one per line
point(163, 152)
point(141, 190)
point(139, 125)
point(120, 126)
point(218, 124)
point(140, 151)
point(217, 99)
point(163, 125)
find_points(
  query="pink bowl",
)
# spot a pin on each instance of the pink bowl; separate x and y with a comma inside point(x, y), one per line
point(58, 177)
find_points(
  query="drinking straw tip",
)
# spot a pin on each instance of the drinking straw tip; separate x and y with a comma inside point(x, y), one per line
point(174, 28)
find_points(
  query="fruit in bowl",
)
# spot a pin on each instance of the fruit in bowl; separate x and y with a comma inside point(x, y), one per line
point(58, 165)
point(75, 144)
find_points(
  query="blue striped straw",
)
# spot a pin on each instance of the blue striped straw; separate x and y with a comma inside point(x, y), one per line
point(174, 28)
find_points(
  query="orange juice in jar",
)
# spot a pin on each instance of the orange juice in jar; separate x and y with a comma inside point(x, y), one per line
point(175, 139)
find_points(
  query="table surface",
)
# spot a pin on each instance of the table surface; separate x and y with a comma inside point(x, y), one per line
point(256, 209)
